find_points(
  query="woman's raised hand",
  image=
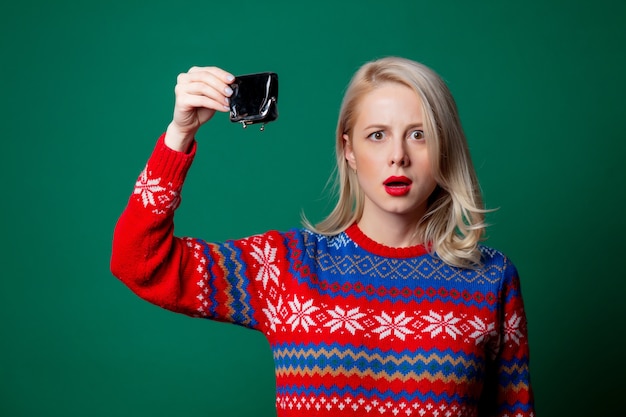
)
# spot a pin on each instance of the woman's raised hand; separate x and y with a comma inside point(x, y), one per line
point(200, 92)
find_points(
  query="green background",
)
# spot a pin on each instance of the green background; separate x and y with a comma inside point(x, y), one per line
point(88, 87)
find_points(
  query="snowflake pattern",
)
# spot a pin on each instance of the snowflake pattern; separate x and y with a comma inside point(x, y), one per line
point(272, 313)
point(442, 324)
point(482, 331)
point(305, 315)
point(396, 326)
point(346, 319)
point(301, 314)
point(512, 331)
point(266, 258)
point(147, 187)
point(151, 192)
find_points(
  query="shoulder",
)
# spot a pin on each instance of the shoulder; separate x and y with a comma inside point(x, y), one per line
point(493, 257)
point(299, 238)
point(312, 244)
point(497, 264)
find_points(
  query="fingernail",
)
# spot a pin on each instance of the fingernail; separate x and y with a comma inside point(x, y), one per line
point(228, 91)
point(230, 78)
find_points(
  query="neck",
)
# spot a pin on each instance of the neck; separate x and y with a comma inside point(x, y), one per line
point(395, 232)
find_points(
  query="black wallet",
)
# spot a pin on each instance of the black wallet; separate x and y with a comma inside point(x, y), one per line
point(254, 99)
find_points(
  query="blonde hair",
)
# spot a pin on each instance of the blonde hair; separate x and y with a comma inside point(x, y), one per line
point(454, 223)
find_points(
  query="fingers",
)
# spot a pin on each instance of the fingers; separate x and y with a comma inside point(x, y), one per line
point(195, 95)
point(200, 92)
point(225, 76)
point(205, 87)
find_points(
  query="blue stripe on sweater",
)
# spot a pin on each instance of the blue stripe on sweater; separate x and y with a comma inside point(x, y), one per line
point(305, 390)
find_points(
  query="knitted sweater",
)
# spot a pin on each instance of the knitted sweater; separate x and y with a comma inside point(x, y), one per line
point(356, 328)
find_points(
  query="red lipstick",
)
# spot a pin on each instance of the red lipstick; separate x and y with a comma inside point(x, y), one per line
point(397, 186)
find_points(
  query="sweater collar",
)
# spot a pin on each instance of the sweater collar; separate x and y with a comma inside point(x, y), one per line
point(357, 235)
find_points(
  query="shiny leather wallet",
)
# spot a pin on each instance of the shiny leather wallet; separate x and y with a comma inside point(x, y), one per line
point(254, 99)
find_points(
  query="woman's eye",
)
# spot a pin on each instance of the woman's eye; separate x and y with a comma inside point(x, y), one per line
point(417, 134)
point(377, 135)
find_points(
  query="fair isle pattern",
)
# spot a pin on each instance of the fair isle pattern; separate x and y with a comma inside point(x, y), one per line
point(306, 361)
point(448, 329)
point(162, 199)
point(445, 367)
point(368, 404)
point(301, 315)
point(355, 330)
point(234, 300)
point(422, 268)
point(200, 276)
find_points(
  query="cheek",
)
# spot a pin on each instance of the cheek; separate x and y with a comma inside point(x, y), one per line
point(368, 163)
point(426, 172)
point(424, 164)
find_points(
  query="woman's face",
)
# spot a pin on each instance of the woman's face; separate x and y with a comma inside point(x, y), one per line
point(387, 148)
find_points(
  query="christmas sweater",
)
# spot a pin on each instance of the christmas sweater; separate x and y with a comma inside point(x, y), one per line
point(356, 328)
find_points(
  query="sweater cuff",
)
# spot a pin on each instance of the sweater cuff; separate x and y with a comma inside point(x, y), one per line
point(169, 164)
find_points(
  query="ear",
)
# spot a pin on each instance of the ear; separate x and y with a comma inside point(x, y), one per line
point(348, 152)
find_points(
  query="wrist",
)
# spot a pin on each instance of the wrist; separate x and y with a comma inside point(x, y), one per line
point(178, 140)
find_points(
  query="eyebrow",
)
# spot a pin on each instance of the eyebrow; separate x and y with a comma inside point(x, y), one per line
point(383, 126)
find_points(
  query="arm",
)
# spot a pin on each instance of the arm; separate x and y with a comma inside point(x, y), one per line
point(146, 256)
point(507, 390)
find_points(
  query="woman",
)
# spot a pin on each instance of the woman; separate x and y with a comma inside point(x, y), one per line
point(390, 306)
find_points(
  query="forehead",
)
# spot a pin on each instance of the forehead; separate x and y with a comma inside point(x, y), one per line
point(390, 102)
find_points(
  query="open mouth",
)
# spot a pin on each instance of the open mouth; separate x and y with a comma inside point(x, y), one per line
point(397, 182)
point(397, 186)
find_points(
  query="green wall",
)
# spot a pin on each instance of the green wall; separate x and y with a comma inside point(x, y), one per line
point(87, 87)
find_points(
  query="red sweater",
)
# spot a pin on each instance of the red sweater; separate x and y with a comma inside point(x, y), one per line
point(356, 328)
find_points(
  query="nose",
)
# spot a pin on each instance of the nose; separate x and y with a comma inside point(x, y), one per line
point(399, 155)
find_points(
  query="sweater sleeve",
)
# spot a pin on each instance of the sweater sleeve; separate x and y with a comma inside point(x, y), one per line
point(225, 282)
point(507, 390)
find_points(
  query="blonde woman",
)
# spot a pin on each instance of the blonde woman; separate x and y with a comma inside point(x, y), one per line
point(391, 305)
